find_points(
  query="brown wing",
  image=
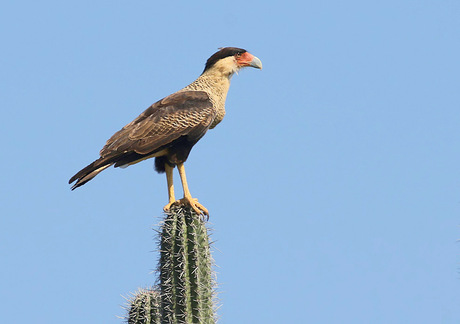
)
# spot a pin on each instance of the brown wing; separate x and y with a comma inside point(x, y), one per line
point(187, 113)
point(183, 114)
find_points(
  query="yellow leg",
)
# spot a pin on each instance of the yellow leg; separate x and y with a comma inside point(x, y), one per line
point(169, 179)
point(193, 202)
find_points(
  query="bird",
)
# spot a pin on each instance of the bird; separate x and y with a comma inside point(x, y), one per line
point(170, 127)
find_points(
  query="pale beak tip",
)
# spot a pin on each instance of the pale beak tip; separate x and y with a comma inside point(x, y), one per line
point(256, 63)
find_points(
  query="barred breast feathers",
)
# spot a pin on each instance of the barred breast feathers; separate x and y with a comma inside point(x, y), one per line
point(215, 83)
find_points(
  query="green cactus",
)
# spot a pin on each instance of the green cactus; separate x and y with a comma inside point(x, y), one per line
point(185, 293)
point(186, 279)
point(144, 307)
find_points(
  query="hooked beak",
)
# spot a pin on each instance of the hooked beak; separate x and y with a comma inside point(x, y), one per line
point(256, 63)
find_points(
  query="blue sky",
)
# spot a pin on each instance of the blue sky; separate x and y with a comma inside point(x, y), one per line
point(333, 181)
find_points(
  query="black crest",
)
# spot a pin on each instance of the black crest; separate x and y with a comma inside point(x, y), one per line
point(223, 53)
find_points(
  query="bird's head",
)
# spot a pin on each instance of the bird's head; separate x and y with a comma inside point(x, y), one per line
point(229, 60)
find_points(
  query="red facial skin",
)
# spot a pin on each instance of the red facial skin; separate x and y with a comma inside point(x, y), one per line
point(244, 59)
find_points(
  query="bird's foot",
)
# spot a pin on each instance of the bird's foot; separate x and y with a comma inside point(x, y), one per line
point(192, 202)
point(168, 206)
point(196, 206)
point(189, 201)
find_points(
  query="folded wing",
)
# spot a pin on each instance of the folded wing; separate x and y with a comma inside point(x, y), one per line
point(182, 115)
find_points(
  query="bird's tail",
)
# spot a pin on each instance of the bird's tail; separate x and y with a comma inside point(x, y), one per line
point(89, 172)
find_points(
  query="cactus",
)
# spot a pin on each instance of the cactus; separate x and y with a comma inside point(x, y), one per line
point(185, 293)
point(144, 307)
point(186, 279)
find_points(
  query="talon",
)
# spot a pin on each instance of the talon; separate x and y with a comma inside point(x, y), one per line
point(193, 202)
point(168, 206)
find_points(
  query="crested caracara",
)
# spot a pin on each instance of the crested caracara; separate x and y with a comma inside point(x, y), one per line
point(169, 128)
